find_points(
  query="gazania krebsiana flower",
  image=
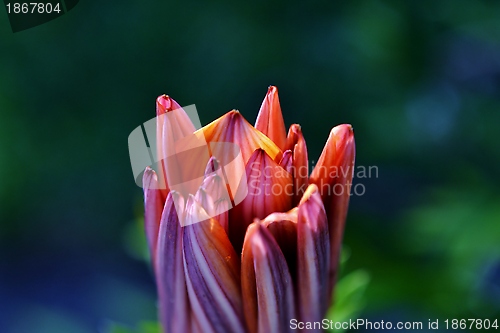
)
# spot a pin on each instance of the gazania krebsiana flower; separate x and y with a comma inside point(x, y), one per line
point(271, 258)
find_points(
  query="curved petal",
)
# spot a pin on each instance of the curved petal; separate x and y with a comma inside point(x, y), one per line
point(283, 227)
point(270, 118)
point(268, 300)
point(154, 201)
point(313, 257)
point(333, 176)
point(300, 163)
point(269, 189)
point(172, 292)
point(212, 273)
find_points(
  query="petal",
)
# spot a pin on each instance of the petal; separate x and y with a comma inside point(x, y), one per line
point(172, 124)
point(313, 257)
point(232, 127)
point(212, 273)
point(213, 166)
point(287, 161)
point(213, 194)
point(154, 200)
point(270, 119)
point(283, 227)
point(300, 173)
point(269, 189)
point(183, 153)
point(333, 176)
point(214, 199)
point(221, 209)
point(268, 300)
point(215, 187)
point(170, 280)
point(205, 201)
point(167, 105)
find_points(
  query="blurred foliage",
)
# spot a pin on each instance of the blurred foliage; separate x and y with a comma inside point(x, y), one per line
point(465, 252)
point(145, 327)
point(418, 80)
point(349, 295)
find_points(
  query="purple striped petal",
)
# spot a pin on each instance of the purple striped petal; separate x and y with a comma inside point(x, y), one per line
point(170, 280)
point(268, 299)
point(212, 273)
point(313, 257)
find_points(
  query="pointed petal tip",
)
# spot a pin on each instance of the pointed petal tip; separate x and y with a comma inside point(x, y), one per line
point(149, 178)
point(270, 118)
point(212, 165)
point(343, 131)
point(296, 128)
point(233, 127)
point(164, 103)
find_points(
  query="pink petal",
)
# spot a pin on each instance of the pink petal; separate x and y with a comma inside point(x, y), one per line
point(172, 124)
point(154, 200)
point(287, 161)
point(183, 152)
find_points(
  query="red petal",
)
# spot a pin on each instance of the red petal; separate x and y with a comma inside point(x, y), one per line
point(270, 190)
point(283, 227)
point(270, 118)
point(333, 176)
point(300, 173)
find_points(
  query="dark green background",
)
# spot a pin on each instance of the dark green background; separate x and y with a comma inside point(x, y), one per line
point(418, 80)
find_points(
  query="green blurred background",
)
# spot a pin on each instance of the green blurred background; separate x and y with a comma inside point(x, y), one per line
point(418, 80)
